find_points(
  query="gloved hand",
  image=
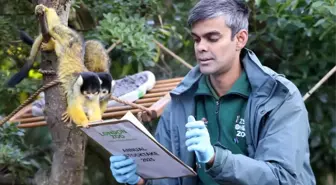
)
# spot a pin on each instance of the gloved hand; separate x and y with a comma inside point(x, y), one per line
point(198, 140)
point(123, 169)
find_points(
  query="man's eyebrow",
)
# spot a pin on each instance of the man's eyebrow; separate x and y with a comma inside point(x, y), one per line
point(207, 34)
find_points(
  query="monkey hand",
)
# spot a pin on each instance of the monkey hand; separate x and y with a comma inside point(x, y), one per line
point(49, 46)
point(66, 118)
point(78, 116)
point(40, 9)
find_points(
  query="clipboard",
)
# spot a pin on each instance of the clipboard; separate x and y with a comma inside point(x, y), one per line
point(129, 137)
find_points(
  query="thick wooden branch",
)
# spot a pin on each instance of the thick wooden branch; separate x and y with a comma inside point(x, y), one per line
point(68, 142)
point(44, 28)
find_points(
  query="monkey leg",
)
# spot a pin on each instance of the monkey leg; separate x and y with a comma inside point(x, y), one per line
point(35, 48)
point(53, 21)
point(50, 13)
point(103, 106)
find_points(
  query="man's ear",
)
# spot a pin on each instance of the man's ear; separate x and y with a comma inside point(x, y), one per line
point(242, 37)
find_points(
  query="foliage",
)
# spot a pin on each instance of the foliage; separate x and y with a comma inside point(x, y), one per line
point(14, 16)
point(136, 38)
point(16, 156)
point(144, 8)
point(297, 38)
point(150, 21)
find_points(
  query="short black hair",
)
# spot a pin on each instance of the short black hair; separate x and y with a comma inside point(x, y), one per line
point(236, 13)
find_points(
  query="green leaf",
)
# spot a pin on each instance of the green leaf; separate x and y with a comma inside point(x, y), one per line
point(319, 22)
point(332, 9)
point(126, 69)
point(317, 4)
point(272, 2)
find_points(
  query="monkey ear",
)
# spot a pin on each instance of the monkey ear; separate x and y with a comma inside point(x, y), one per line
point(79, 80)
point(112, 85)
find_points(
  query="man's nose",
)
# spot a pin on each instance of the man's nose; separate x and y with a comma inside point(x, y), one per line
point(202, 46)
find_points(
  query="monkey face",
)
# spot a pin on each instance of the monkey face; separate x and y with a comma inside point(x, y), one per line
point(104, 91)
point(90, 85)
point(106, 85)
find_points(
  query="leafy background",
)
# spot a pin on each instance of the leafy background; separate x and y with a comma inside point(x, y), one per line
point(294, 37)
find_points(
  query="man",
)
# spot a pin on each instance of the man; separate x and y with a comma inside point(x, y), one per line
point(252, 126)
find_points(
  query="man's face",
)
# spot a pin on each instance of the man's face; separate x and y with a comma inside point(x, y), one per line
point(214, 49)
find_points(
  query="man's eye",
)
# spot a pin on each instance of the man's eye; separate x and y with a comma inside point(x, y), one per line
point(212, 39)
point(196, 39)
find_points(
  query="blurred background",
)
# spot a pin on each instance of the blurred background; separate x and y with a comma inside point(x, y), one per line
point(294, 37)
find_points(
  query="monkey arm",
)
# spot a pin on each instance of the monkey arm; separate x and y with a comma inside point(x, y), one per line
point(75, 111)
point(95, 112)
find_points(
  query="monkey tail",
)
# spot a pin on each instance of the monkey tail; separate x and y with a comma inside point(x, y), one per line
point(26, 38)
point(19, 76)
point(23, 73)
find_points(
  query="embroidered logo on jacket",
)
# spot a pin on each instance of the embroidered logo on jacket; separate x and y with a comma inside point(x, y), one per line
point(240, 128)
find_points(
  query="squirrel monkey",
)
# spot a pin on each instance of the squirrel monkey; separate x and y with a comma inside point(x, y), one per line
point(96, 60)
point(81, 86)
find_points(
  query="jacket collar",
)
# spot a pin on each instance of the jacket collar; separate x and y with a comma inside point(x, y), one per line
point(260, 77)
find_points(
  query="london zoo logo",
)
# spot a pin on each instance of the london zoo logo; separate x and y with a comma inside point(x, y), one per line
point(117, 135)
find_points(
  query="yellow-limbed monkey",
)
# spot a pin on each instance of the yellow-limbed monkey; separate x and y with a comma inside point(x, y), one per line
point(81, 86)
point(97, 60)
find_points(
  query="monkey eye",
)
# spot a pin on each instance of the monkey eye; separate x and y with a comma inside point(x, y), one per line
point(85, 92)
point(104, 91)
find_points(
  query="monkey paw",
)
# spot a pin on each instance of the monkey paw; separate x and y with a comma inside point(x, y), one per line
point(85, 126)
point(95, 119)
point(40, 9)
point(49, 46)
point(80, 121)
point(66, 118)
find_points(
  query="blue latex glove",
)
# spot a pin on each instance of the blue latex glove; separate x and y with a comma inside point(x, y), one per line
point(198, 140)
point(123, 169)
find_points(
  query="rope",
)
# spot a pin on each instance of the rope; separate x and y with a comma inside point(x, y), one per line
point(135, 106)
point(130, 103)
point(55, 82)
point(47, 72)
point(29, 100)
